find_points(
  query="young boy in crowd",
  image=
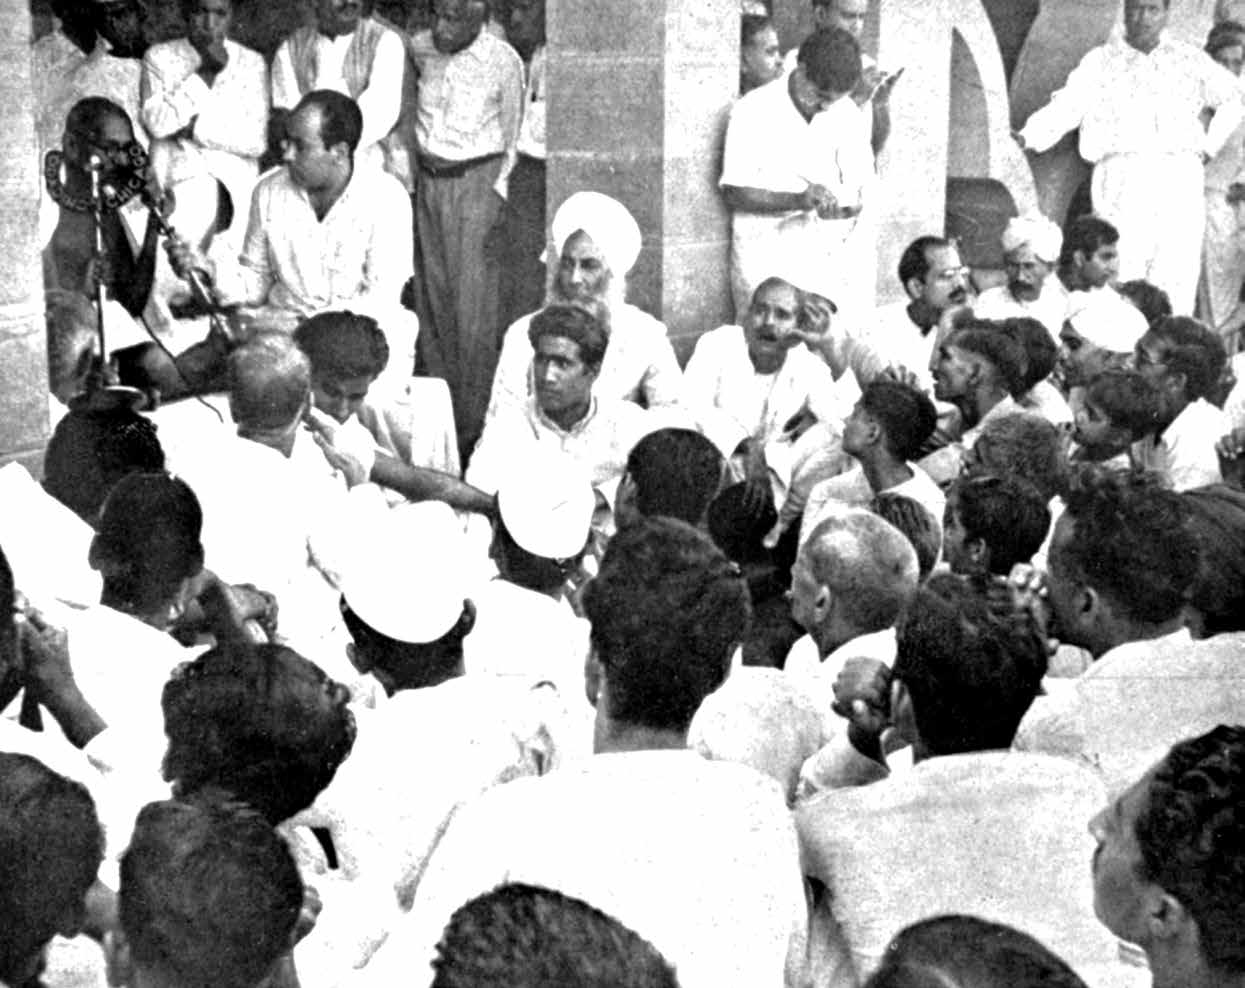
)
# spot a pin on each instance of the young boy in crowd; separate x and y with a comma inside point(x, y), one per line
point(1119, 408)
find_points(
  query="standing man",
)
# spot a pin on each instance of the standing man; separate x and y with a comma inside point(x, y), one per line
point(1137, 102)
point(467, 127)
point(350, 52)
point(205, 104)
point(792, 173)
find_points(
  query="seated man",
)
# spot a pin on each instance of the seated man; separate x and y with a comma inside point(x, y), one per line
point(979, 370)
point(321, 235)
point(348, 353)
point(1031, 246)
point(851, 582)
point(563, 415)
point(597, 243)
point(1169, 871)
point(992, 523)
point(541, 937)
point(884, 434)
point(701, 855)
point(1183, 359)
point(670, 472)
point(1121, 566)
point(1037, 394)
point(1100, 333)
point(1118, 408)
point(967, 952)
point(51, 846)
point(1010, 846)
point(1090, 258)
point(209, 895)
point(756, 390)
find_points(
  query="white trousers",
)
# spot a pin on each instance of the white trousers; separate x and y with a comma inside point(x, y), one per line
point(1156, 202)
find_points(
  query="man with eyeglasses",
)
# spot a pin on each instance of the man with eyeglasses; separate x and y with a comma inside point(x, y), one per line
point(1031, 247)
point(792, 174)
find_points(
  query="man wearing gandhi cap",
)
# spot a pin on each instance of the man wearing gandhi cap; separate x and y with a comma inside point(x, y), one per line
point(1099, 334)
point(594, 246)
point(1031, 245)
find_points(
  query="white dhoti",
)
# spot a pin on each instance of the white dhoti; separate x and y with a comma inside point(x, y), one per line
point(1223, 258)
point(1156, 202)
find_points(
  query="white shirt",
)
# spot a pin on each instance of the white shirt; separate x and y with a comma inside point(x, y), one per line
point(1184, 452)
point(1045, 399)
point(1012, 847)
point(1128, 102)
point(639, 363)
point(698, 857)
point(1124, 712)
point(532, 130)
point(380, 102)
point(1050, 308)
point(230, 117)
point(852, 490)
point(816, 676)
point(892, 339)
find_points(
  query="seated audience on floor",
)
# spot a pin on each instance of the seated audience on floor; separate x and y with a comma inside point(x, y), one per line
point(209, 895)
point(969, 952)
point(540, 937)
point(992, 523)
point(1184, 360)
point(1118, 409)
point(1169, 870)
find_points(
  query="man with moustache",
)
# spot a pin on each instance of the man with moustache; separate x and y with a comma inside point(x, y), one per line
point(351, 52)
point(467, 121)
point(1031, 247)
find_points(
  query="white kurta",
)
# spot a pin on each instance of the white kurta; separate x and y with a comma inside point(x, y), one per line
point(852, 490)
point(1140, 121)
point(1050, 308)
point(1184, 453)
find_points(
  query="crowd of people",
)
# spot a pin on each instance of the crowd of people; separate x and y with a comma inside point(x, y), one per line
point(395, 609)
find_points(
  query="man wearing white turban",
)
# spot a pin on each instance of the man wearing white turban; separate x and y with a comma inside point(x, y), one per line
point(595, 244)
point(1031, 246)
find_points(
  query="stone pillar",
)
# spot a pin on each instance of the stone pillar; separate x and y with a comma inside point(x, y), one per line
point(638, 94)
point(23, 350)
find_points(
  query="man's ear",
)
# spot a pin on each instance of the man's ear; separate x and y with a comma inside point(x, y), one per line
point(1078, 258)
point(913, 287)
point(978, 552)
point(341, 151)
point(594, 677)
point(466, 620)
point(1166, 917)
point(117, 962)
point(823, 606)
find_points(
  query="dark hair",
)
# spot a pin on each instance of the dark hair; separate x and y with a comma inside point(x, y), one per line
point(571, 322)
point(831, 59)
point(253, 720)
point(750, 25)
point(209, 893)
point(1038, 347)
point(906, 415)
point(676, 472)
point(86, 114)
point(1194, 350)
point(148, 539)
point(971, 673)
point(1006, 513)
point(667, 611)
point(1191, 835)
point(914, 262)
point(91, 450)
point(1149, 299)
point(342, 345)
point(1024, 445)
point(521, 566)
point(1131, 543)
point(999, 349)
point(412, 665)
point(528, 937)
point(269, 381)
point(1225, 34)
point(1086, 233)
point(1217, 524)
point(968, 952)
point(1128, 399)
point(51, 846)
point(916, 522)
point(341, 120)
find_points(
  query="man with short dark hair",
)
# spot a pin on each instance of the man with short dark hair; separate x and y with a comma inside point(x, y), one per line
point(1121, 565)
point(792, 173)
point(540, 937)
point(1184, 359)
point(992, 523)
point(1169, 870)
point(1090, 257)
point(670, 472)
point(701, 856)
point(209, 896)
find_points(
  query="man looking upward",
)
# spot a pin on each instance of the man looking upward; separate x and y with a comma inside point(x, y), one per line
point(1138, 104)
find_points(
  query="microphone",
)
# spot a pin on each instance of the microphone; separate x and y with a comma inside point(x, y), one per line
point(94, 162)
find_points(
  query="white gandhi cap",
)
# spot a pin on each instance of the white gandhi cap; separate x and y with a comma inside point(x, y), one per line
point(547, 507)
